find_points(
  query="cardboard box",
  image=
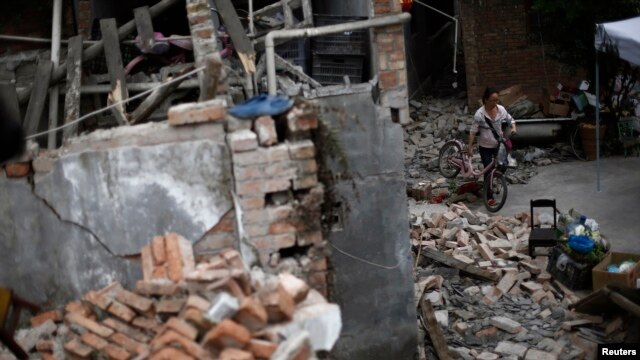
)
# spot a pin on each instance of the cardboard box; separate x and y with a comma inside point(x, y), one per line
point(552, 106)
point(602, 277)
point(511, 95)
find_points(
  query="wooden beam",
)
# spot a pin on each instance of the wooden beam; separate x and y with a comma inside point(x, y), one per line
point(38, 96)
point(96, 49)
point(148, 106)
point(236, 31)
point(449, 261)
point(116, 70)
point(144, 25)
point(74, 82)
point(288, 14)
point(294, 70)
point(274, 9)
point(433, 329)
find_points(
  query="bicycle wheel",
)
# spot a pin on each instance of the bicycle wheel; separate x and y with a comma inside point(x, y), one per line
point(448, 150)
point(496, 187)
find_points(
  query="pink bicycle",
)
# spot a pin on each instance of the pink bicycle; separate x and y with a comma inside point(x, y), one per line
point(453, 160)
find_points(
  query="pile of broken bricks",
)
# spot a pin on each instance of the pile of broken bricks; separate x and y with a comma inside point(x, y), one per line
point(187, 308)
point(506, 306)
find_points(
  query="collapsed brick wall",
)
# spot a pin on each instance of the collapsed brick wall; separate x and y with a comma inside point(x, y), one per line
point(275, 177)
point(500, 50)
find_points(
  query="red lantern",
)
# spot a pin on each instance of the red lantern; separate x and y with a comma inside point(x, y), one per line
point(406, 5)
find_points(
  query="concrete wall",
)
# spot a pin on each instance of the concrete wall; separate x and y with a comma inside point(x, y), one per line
point(80, 221)
point(372, 278)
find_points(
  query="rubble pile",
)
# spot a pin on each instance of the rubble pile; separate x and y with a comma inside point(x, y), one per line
point(187, 309)
point(513, 308)
point(436, 120)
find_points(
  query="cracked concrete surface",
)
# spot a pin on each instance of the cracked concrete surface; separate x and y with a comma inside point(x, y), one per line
point(80, 226)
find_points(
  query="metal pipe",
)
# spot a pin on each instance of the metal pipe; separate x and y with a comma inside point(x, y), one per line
point(319, 31)
point(252, 29)
point(84, 42)
point(54, 92)
point(455, 40)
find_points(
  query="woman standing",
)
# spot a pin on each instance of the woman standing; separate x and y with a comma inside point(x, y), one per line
point(489, 114)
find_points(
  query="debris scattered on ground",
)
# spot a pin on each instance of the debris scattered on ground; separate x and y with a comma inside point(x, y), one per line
point(524, 313)
point(184, 308)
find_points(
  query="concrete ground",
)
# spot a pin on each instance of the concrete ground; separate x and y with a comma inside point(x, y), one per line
point(616, 207)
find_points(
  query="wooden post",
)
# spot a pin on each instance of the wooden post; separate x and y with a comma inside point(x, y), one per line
point(241, 41)
point(96, 49)
point(116, 71)
point(145, 28)
point(38, 96)
point(74, 81)
point(435, 333)
point(455, 263)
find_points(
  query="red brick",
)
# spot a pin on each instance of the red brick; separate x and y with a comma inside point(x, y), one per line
point(146, 324)
point(262, 349)
point(274, 242)
point(318, 264)
point(235, 354)
point(100, 301)
point(252, 202)
point(388, 79)
point(20, 169)
point(158, 250)
point(121, 311)
point(300, 119)
point(278, 303)
point(146, 259)
point(170, 353)
point(182, 327)
point(170, 306)
point(47, 356)
point(180, 259)
point(251, 314)
point(116, 352)
point(76, 318)
point(94, 341)
point(254, 187)
point(79, 308)
point(172, 338)
point(305, 182)
point(77, 348)
point(265, 127)
point(139, 303)
point(212, 110)
point(242, 140)
point(128, 343)
point(126, 329)
point(41, 318)
point(156, 287)
point(268, 215)
point(227, 334)
point(304, 149)
point(309, 166)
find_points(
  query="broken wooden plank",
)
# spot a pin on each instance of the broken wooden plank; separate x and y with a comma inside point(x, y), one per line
point(149, 105)
point(38, 96)
point(113, 55)
point(468, 268)
point(144, 26)
point(434, 331)
point(74, 81)
point(96, 49)
point(8, 94)
point(241, 42)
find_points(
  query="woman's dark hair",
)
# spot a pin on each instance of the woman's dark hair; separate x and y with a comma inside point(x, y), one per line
point(487, 92)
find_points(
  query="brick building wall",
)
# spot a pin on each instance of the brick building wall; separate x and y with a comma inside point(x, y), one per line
point(500, 50)
point(391, 66)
